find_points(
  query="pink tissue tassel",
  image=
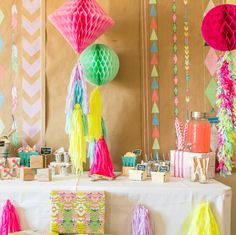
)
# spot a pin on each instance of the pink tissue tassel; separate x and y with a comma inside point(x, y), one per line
point(141, 224)
point(9, 220)
point(102, 164)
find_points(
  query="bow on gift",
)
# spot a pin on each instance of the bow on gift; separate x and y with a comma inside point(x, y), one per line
point(181, 133)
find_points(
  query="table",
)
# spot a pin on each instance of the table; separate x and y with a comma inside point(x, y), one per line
point(169, 203)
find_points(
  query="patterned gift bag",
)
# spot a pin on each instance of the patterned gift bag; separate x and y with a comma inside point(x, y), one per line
point(2, 162)
point(78, 212)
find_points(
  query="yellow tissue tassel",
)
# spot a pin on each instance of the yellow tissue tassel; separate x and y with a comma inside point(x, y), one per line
point(77, 147)
point(201, 222)
point(95, 115)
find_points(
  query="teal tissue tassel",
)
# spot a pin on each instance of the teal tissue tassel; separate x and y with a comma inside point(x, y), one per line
point(91, 151)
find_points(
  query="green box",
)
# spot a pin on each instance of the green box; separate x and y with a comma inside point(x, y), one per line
point(25, 157)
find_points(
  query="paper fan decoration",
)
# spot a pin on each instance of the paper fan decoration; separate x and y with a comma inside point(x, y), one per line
point(100, 63)
point(81, 22)
point(219, 27)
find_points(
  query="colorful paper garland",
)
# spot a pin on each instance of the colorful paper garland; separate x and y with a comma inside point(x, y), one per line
point(186, 58)
point(175, 59)
point(154, 77)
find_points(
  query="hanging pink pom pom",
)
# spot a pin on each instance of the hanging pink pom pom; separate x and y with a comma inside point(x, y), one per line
point(141, 224)
point(9, 220)
point(102, 164)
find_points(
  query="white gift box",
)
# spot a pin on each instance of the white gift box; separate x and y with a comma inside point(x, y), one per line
point(181, 162)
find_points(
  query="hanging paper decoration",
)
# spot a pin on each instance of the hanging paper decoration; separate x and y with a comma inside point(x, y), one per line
point(141, 224)
point(218, 27)
point(77, 147)
point(77, 93)
point(81, 22)
point(33, 67)
point(102, 164)
point(9, 220)
point(201, 221)
point(100, 63)
point(154, 77)
point(211, 65)
point(14, 67)
point(95, 115)
point(219, 30)
point(175, 60)
point(186, 58)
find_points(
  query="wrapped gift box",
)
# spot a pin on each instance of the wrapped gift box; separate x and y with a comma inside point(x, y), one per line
point(181, 163)
point(37, 162)
point(44, 175)
point(25, 157)
point(8, 173)
point(27, 174)
point(13, 162)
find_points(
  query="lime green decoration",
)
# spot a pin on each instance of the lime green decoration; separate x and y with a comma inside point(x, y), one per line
point(211, 92)
point(100, 64)
point(201, 221)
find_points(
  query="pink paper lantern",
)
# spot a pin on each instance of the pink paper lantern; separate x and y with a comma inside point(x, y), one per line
point(81, 22)
point(219, 27)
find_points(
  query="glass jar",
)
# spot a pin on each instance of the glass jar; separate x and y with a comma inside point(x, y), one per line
point(199, 133)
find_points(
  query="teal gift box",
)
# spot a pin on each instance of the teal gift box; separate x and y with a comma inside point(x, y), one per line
point(129, 161)
point(25, 157)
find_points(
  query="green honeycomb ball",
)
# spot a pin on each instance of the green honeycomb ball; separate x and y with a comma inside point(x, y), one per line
point(100, 64)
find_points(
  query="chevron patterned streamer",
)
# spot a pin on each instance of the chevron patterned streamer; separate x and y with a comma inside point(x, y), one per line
point(32, 63)
point(186, 58)
point(2, 125)
point(154, 76)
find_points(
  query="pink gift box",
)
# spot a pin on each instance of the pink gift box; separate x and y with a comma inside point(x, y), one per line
point(181, 162)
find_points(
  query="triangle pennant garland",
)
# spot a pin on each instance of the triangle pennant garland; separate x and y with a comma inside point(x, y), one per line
point(153, 11)
point(154, 72)
point(153, 36)
point(156, 145)
point(155, 108)
point(155, 121)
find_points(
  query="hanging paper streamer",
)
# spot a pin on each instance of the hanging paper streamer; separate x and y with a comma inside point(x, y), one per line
point(77, 147)
point(9, 220)
point(201, 221)
point(14, 67)
point(77, 93)
point(226, 126)
point(91, 151)
point(102, 164)
point(175, 60)
point(154, 75)
point(186, 58)
point(141, 224)
point(81, 22)
point(219, 30)
point(95, 115)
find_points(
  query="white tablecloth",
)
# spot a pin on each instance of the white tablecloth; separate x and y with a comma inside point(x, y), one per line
point(169, 203)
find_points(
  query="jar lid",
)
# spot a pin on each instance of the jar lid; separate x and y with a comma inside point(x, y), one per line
point(198, 115)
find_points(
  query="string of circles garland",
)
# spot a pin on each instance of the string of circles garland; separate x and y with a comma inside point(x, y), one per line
point(186, 58)
point(14, 67)
point(219, 30)
point(175, 59)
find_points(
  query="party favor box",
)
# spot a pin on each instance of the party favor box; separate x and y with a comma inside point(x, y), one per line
point(7, 173)
point(2, 162)
point(13, 162)
point(181, 163)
